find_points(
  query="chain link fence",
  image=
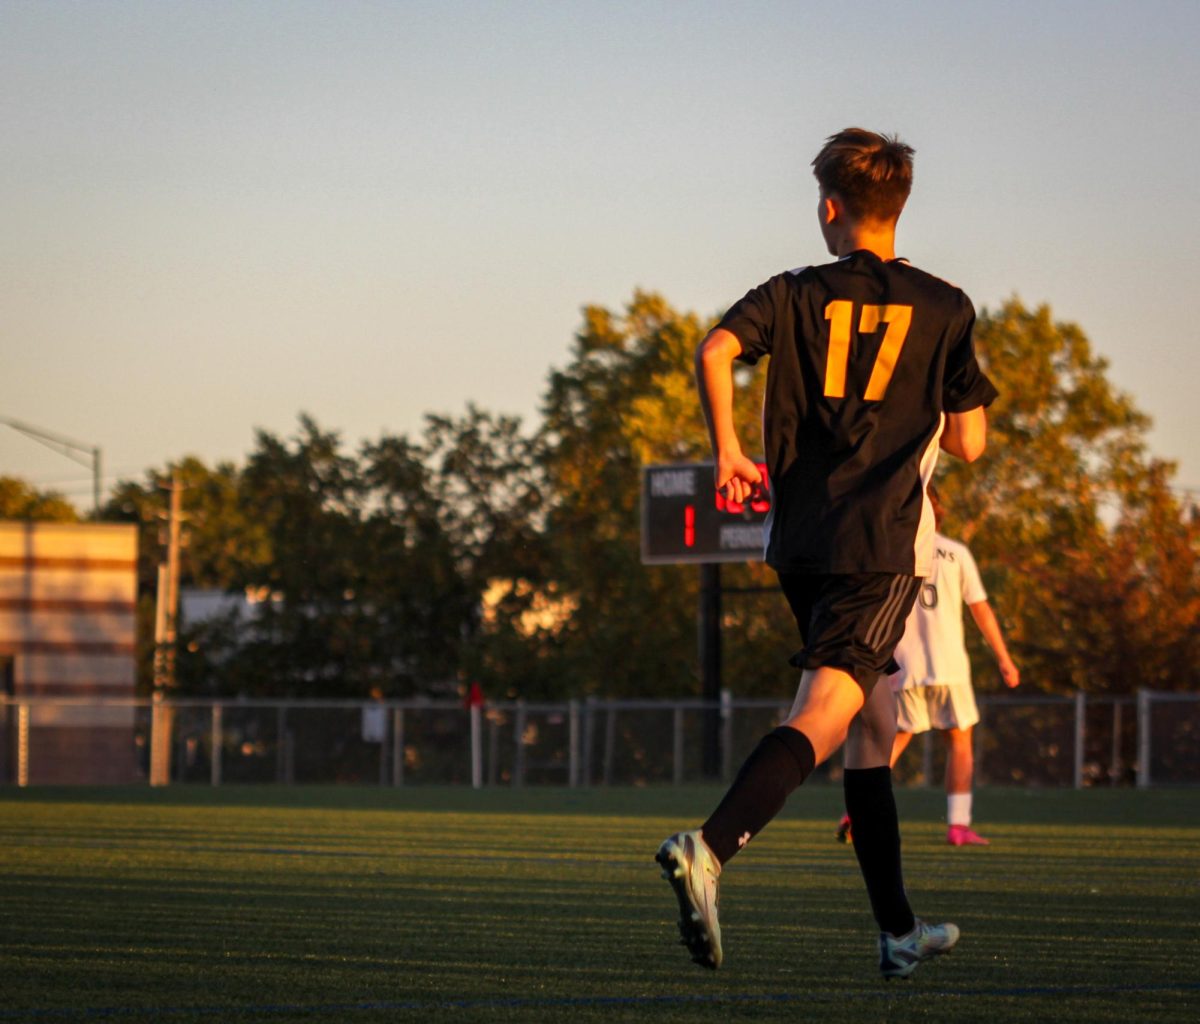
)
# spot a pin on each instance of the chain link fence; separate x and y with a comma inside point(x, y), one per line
point(1152, 738)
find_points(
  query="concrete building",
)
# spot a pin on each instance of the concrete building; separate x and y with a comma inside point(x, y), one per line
point(68, 629)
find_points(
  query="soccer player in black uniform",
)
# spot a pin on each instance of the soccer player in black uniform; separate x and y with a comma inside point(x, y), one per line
point(872, 369)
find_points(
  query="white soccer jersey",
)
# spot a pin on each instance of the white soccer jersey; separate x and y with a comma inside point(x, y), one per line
point(933, 650)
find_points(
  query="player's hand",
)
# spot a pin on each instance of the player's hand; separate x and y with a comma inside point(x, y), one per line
point(1009, 673)
point(736, 477)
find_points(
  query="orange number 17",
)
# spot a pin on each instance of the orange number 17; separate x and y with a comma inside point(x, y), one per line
point(840, 314)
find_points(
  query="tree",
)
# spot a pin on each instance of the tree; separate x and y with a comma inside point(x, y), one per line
point(488, 489)
point(20, 500)
point(627, 399)
point(1092, 561)
point(221, 539)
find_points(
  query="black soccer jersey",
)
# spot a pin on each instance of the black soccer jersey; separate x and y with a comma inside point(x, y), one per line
point(866, 357)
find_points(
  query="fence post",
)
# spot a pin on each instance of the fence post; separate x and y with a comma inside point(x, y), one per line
point(493, 751)
point(280, 743)
point(160, 741)
point(1114, 769)
point(398, 746)
point(1143, 747)
point(589, 738)
point(677, 745)
point(726, 735)
point(610, 742)
point(22, 745)
point(476, 746)
point(1080, 735)
point(519, 735)
point(573, 743)
point(217, 742)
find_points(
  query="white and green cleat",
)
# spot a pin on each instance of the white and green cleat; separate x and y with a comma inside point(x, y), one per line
point(692, 870)
point(898, 957)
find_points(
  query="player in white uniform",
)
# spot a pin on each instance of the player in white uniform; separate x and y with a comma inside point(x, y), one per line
point(933, 687)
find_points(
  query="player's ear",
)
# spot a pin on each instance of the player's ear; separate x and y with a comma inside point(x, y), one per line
point(831, 209)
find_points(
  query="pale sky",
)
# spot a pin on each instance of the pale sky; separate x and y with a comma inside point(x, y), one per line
point(217, 215)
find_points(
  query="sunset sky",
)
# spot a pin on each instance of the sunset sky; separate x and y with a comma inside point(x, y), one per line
point(218, 215)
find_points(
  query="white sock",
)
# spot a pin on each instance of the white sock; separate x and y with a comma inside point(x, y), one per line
point(958, 808)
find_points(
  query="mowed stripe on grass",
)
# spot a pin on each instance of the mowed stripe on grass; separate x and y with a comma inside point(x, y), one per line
point(364, 905)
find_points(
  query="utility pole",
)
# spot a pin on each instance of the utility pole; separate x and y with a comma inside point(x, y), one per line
point(165, 630)
point(76, 451)
point(709, 634)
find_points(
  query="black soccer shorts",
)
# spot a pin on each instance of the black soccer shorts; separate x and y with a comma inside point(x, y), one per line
point(850, 621)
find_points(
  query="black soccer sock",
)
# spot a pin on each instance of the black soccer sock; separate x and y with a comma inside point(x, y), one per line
point(782, 760)
point(875, 829)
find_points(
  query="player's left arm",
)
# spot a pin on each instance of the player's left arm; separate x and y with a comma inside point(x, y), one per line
point(965, 433)
point(966, 392)
point(985, 619)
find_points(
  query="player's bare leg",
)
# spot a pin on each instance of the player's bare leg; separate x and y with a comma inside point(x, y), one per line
point(827, 700)
point(872, 736)
point(960, 769)
point(899, 746)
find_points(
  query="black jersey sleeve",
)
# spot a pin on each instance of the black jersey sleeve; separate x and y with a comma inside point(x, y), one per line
point(752, 320)
point(965, 385)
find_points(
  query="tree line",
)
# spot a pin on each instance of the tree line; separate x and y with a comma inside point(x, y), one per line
point(486, 551)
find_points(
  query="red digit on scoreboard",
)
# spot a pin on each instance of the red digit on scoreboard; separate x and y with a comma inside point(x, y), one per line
point(689, 526)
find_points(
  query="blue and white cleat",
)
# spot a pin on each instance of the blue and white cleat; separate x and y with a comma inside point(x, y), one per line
point(692, 870)
point(898, 957)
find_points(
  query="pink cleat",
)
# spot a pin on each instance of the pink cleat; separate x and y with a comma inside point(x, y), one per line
point(964, 835)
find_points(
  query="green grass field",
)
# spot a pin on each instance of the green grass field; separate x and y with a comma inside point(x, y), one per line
point(361, 905)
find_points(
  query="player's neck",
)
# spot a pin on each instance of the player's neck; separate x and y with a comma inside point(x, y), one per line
point(881, 240)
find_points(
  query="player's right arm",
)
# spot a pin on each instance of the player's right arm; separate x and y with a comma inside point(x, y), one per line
point(985, 619)
point(965, 433)
point(736, 475)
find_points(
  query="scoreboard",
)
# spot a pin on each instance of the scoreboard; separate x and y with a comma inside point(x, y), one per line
point(684, 519)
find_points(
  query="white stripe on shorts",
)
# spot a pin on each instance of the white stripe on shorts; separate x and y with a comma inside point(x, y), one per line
point(885, 619)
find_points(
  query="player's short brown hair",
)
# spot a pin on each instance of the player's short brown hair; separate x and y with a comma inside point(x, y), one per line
point(871, 173)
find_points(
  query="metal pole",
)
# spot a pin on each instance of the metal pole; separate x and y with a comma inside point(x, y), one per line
point(519, 735)
point(1143, 751)
point(383, 751)
point(727, 735)
point(1114, 769)
point(218, 741)
point(22, 745)
point(1080, 735)
point(96, 483)
point(281, 743)
point(710, 664)
point(476, 747)
point(493, 752)
point(610, 743)
point(677, 746)
point(398, 747)
point(589, 738)
point(76, 451)
point(573, 743)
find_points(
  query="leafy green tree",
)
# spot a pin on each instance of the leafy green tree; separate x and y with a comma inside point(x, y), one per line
point(1091, 560)
point(220, 540)
point(488, 491)
point(20, 500)
point(627, 399)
